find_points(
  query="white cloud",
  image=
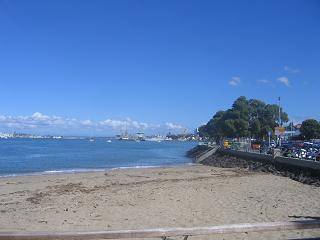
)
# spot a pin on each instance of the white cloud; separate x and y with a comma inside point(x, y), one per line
point(37, 120)
point(174, 126)
point(284, 80)
point(291, 70)
point(113, 123)
point(41, 121)
point(40, 116)
point(87, 123)
point(235, 81)
point(138, 125)
point(121, 124)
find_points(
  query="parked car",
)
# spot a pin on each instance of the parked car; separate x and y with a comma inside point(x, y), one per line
point(226, 144)
point(256, 145)
point(272, 143)
point(266, 150)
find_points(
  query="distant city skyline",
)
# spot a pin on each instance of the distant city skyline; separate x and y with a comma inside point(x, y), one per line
point(90, 68)
point(43, 124)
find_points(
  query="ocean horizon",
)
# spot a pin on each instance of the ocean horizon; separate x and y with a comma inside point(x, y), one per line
point(55, 156)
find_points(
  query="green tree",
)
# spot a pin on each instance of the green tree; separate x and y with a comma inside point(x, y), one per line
point(241, 105)
point(214, 127)
point(246, 118)
point(256, 118)
point(255, 128)
point(229, 128)
point(310, 129)
point(203, 131)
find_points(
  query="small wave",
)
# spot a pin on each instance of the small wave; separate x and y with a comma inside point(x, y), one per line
point(72, 171)
point(136, 167)
point(154, 166)
point(88, 170)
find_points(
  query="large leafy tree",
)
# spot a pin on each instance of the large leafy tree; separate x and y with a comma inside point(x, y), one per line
point(310, 129)
point(214, 128)
point(246, 118)
point(255, 128)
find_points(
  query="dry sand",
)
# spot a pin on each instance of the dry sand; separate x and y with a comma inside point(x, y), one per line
point(187, 196)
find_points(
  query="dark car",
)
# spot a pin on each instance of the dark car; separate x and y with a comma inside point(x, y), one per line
point(256, 145)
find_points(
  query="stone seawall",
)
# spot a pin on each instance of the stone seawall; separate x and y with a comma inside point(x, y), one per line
point(292, 162)
point(304, 171)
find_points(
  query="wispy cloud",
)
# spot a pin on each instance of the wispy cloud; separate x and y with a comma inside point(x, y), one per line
point(235, 81)
point(174, 126)
point(39, 121)
point(291, 70)
point(264, 81)
point(126, 123)
point(284, 80)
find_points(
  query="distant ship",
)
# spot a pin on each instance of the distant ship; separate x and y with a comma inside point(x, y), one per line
point(124, 136)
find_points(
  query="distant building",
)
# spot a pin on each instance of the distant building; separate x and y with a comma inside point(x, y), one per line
point(298, 126)
point(292, 131)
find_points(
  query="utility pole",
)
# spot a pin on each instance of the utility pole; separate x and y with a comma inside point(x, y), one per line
point(279, 113)
point(279, 122)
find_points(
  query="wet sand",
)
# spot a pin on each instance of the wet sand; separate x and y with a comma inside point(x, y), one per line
point(188, 196)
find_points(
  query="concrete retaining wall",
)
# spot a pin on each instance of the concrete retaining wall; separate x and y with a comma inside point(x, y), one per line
point(248, 155)
point(291, 162)
point(298, 163)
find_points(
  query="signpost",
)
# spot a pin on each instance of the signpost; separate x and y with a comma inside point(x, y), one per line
point(279, 131)
point(269, 134)
point(279, 137)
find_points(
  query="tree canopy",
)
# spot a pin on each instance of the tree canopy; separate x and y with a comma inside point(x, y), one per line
point(310, 129)
point(246, 118)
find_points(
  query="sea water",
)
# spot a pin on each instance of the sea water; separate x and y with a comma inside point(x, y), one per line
point(51, 156)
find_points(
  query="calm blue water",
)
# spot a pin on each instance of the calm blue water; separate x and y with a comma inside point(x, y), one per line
point(37, 156)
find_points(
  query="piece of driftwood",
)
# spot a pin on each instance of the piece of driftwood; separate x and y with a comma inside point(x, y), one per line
point(162, 232)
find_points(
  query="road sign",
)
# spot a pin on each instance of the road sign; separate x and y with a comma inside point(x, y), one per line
point(279, 131)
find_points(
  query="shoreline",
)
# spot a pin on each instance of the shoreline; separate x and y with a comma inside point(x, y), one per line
point(185, 196)
point(88, 170)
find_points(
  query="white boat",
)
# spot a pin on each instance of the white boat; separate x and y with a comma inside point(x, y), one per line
point(109, 141)
point(125, 136)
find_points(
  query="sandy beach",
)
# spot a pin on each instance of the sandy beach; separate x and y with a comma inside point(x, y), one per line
point(187, 196)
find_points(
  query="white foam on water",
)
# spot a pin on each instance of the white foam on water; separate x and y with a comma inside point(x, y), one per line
point(88, 170)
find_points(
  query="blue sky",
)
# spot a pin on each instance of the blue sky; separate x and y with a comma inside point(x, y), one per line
point(70, 66)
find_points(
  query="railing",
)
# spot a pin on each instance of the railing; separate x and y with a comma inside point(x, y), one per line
point(163, 232)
